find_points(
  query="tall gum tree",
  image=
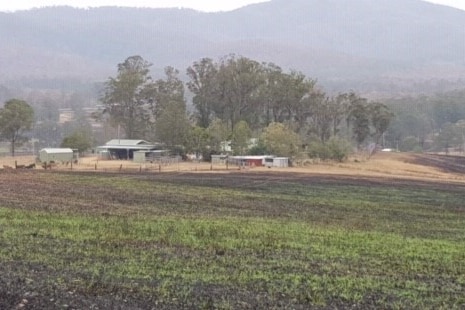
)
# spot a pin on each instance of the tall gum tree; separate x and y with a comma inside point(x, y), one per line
point(128, 95)
point(202, 84)
point(169, 113)
point(239, 82)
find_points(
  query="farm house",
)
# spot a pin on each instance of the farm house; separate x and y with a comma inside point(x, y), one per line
point(123, 148)
point(48, 155)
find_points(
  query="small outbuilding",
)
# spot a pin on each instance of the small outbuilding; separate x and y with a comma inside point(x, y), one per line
point(153, 156)
point(219, 159)
point(281, 162)
point(123, 148)
point(251, 161)
point(48, 155)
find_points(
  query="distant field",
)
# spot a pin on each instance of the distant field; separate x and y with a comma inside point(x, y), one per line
point(256, 239)
point(398, 165)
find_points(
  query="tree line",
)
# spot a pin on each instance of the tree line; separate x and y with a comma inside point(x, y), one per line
point(434, 123)
point(235, 99)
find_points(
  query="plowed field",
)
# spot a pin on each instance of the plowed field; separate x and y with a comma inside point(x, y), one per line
point(362, 236)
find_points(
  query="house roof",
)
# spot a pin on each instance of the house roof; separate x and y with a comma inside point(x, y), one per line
point(126, 142)
point(147, 147)
point(56, 150)
point(248, 157)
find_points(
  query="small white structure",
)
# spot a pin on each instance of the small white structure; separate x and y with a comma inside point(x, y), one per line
point(281, 162)
point(251, 161)
point(278, 162)
point(219, 159)
point(48, 155)
point(153, 156)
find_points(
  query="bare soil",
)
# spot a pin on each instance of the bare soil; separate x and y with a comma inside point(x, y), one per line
point(17, 292)
point(388, 165)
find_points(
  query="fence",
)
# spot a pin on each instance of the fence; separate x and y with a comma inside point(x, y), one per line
point(163, 160)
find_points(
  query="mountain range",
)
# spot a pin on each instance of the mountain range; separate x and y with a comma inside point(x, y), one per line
point(371, 45)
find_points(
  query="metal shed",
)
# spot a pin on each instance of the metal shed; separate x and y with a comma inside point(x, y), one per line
point(48, 155)
point(219, 159)
point(153, 156)
point(281, 162)
point(123, 148)
point(252, 161)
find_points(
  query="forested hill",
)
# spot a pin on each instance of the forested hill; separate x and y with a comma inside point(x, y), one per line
point(374, 44)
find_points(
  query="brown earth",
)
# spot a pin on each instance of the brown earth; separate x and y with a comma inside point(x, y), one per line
point(382, 164)
point(383, 169)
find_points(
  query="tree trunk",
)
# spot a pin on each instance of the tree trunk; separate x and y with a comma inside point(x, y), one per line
point(13, 147)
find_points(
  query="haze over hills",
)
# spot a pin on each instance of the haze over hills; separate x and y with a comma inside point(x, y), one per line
point(374, 45)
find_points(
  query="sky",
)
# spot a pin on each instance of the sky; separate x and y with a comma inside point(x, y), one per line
point(200, 5)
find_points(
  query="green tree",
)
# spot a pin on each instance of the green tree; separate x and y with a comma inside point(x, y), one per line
point(381, 117)
point(80, 139)
point(281, 140)
point(203, 85)
point(240, 89)
point(405, 127)
point(126, 97)
point(240, 137)
point(321, 116)
point(272, 95)
point(449, 136)
point(409, 144)
point(301, 100)
point(172, 125)
point(448, 110)
point(282, 93)
point(238, 82)
point(259, 149)
point(285, 96)
point(166, 92)
point(16, 118)
point(198, 139)
point(359, 119)
point(339, 149)
point(219, 133)
point(335, 148)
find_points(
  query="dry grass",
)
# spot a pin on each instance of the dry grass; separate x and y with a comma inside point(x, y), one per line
point(20, 160)
point(390, 165)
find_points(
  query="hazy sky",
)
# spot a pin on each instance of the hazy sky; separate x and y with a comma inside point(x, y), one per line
point(201, 5)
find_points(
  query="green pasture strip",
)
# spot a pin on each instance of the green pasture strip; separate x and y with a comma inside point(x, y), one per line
point(304, 262)
point(413, 212)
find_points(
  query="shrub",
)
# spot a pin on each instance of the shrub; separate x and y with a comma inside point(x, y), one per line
point(339, 149)
point(336, 149)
